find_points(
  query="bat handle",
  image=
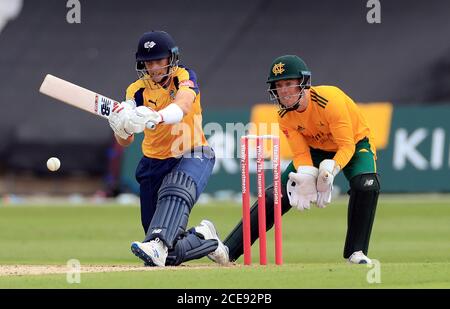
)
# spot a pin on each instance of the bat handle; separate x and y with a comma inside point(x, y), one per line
point(150, 125)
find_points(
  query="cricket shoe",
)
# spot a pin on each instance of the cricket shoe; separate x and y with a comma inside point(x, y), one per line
point(220, 255)
point(358, 257)
point(153, 253)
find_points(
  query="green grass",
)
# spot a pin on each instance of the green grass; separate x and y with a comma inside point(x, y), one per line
point(410, 239)
point(323, 275)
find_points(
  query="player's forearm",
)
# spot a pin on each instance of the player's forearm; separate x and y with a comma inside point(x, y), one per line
point(344, 154)
point(182, 106)
point(343, 137)
point(124, 142)
point(185, 100)
point(300, 150)
point(171, 114)
point(302, 161)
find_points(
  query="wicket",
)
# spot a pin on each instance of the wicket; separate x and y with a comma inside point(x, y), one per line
point(245, 177)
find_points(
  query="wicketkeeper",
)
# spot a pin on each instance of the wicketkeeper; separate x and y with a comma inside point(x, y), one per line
point(327, 134)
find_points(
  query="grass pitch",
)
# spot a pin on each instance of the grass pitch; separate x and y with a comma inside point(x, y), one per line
point(410, 238)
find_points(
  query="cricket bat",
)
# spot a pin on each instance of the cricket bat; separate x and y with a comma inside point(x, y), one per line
point(79, 97)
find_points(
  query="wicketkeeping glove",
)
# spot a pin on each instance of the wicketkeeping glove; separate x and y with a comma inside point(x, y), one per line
point(301, 187)
point(327, 170)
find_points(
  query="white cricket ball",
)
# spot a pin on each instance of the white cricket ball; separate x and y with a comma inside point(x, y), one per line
point(53, 164)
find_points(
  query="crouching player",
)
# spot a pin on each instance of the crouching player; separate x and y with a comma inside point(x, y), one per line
point(327, 134)
point(177, 161)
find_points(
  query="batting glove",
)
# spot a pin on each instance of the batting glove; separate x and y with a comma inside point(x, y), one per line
point(119, 116)
point(143, 117)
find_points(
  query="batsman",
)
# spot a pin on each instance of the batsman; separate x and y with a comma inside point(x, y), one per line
point(177, 161)
point(327, 134)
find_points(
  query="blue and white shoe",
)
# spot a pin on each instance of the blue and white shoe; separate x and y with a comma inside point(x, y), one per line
point(208, 230)
point(153, 253)
point(358, 257)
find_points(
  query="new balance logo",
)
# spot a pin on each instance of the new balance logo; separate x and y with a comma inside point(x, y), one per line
point(368, 183)
point(155, 253)
point(156, 231)
point(198, 157)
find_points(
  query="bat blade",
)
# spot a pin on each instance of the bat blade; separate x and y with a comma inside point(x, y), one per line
point(77, 96)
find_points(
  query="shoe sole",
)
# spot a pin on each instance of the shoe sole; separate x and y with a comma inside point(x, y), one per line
point(224, 248)
point(142, 255)
point(213, 230)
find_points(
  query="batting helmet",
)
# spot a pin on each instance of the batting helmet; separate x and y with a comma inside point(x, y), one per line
point(156, 45)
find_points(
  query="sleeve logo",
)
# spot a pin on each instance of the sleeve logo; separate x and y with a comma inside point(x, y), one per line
point(187, 83)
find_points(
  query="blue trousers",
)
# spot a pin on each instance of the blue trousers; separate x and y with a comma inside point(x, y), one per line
point(198, 164)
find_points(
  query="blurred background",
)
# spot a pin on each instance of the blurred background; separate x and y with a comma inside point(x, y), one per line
point(398, 70)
